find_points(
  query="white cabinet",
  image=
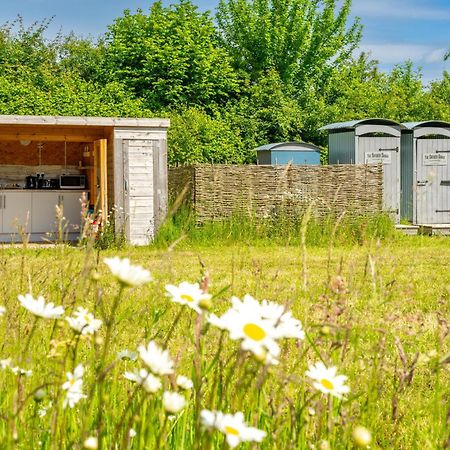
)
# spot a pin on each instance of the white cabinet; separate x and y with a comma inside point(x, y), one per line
point(44, 211)
point(71, 204)
point(16, 212)
point(43, 219)
point(35, 212)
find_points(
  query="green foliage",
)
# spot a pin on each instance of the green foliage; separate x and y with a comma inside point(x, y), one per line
point(300, 39)
point(170, 57)
point(196, 137)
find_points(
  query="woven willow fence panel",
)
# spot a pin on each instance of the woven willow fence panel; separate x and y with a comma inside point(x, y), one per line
point(219, 191)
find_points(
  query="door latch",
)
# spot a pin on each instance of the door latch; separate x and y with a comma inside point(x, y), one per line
point(422, 183)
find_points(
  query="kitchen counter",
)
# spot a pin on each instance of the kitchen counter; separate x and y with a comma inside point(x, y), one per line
point(42, 190)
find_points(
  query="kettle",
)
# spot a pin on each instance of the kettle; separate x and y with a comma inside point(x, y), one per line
point(31, 182)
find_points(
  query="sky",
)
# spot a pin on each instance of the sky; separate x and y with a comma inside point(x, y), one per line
point(394, 30)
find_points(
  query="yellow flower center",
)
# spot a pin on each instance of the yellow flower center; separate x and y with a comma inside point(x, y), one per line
point(231, 430)
point(72, 381)
point(186, 297)
point(254, 332)
point(327, 384)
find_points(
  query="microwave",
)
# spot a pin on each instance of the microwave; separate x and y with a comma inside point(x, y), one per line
point(72, 182)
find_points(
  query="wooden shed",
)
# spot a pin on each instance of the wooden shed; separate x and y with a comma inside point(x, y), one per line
point(425, 172)
point(118, 163)
point(370, 141)
point(296, 153)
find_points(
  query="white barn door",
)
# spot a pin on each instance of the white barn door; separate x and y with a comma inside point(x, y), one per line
point(139, 190)
point(432, 181)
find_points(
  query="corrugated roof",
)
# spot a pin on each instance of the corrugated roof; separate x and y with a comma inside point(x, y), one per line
point(83, 121)
point(352, 124)
point(426, 123)
point(279, 145)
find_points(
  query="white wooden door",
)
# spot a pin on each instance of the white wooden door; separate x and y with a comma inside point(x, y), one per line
point(385, 150)
point(432, 181)
point(43, 219)
point(71, 204)
point(16, 208)
point(138, 190)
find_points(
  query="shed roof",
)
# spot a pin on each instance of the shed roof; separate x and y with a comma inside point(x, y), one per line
point(352, 124)
point(288, 146)
point(84, 121)
point(426, 123)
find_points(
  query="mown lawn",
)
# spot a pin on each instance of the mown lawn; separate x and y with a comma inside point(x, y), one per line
point(378, 312)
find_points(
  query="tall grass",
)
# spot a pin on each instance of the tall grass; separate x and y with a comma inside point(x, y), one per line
point(376, 311)
point(278, 229)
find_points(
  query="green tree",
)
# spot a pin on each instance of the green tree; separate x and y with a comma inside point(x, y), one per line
point(170, 57)
point(300, 39)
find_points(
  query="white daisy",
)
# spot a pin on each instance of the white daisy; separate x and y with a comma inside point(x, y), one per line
point(327, 381)
point(145, 379)
point(173, 402)
point(233, 426)
point(84, 322)
point(286, 325)
point(5, 363)
point(244, 322)
point(132, 433)
point(74, 387)
point(184, 382)
point(91, 443)
point(188, 294)
point(2, 311)
point(156, 359)
point(39, 308)
point(22, 372)
point(126, 273)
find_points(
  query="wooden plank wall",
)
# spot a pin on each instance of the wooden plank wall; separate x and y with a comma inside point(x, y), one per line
point(140, 181)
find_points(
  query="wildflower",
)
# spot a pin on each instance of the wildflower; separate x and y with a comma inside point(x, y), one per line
point(324, 445)
point(173, 402)
point(74, 387)
point(327, 381)
point(84, 322)
point(233, 426)
point(156, 359)
point(132, 433)
point(2, 311)
point(145, 379)
point(91, 443)
point(128, 274)
point(5, 363)
point(21, 372)
point(184, 382)
point(39, 308)
point(361, 436)
point(258, 335)
point(286, 326)
point(188, 294)
point(42, 412)
point(127, 355)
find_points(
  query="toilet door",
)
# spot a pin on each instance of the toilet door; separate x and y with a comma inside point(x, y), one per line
point(432, 181)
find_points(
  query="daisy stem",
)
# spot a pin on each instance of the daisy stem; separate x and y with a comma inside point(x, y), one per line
point(172, 327)
point(163, 432)
point(33, 329)
point(100, 374)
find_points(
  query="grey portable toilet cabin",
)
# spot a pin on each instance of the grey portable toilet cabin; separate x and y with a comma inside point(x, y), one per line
point(425, 172)
point(370, 141)
point(297, 153)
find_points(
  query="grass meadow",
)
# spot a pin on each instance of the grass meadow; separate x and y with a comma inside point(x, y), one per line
point(377, 310)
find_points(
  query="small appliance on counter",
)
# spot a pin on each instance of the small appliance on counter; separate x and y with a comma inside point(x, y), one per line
point(72, 182)
point(39, 182)
point(31, 182)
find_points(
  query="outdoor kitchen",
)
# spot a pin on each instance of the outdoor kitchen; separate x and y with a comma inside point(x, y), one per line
point(50, 161)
